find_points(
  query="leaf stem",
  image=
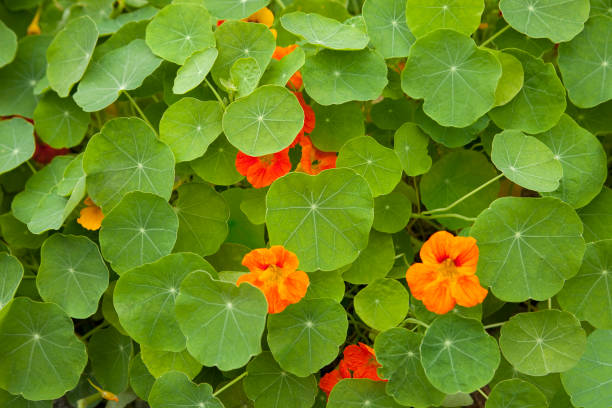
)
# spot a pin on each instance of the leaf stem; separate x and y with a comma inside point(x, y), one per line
point(415, 321)
point(31, 166)
point(549, 303)
point(452, 215)
point(483, 393)
point(140, 112)
point(280, 3)
point(29, 277)
point(416, 190)
point(494, 36)
point(94, 330)
point(229, 384)
point(468, 195)
point(212, 88)
point(494, 325)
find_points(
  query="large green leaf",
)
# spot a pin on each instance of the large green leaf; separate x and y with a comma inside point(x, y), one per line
point(234, 9)
point(144, 299)
point(11, 273)
point(116, 165)
point(382, 304)
point(69, 54)
point(516, 394)
point(9, 47)
point(16, 143)
point(306, 336)
point(59, 121)
point(223, 323)
point(424, 16)
point(40, 357)
point(410, 145)
point(559, 20)
point(110, 353)
point(72, 274)
point(194, 70)
point(264, 122)
point(159, 362)
point(174, 389)
point(360, 393)
point(528, 247)
point(385, 22)
point(323, 31)
point(374, 262)
point(597, 217)
point(458, 354)
point(15, 401)
point(335, 124)
point(218, 165)
point(325, 219)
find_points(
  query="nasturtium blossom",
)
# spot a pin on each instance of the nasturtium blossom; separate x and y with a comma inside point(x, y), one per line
point(107, 395)
point(295, 82)
point(263, 16)
point(45, 153)
point(447, 275)
point(91, 216)
point(263, 170)
point(274, 272)
point(313, 160)
point(309, 115)
point(329, 380)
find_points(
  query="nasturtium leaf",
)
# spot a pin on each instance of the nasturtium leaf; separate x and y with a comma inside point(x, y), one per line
point(335, 77)
point(449, 136)
point(179, 30)
point(37, 341)
point(588, 295)
point(595, 120)
point(324, 31)
point(241, 229)
point(458, 354)
point(382, 304)
point(528, 247)
point(244, 76)
point(144, 299)
point(391, 212)
point(424, 16)
point(222, 322)
point(539, 104)
point(548, 341)
point(122, 69)
point(454, 175)
point(123, 36)
point(326, 284)
point(585, 64)
point(218, 165)
point(513, 39)
point(325, 219)
point(110, 353)
point(189, 126)
point(390, 114)
point(72, 274)
point(9, 44)
point(108, 26)
point(597, 217)
point(174, 389)
point(374, 262)
point(385, 22)
point(16, 143)
point(558, 20)
point(17, 235)
point(234, 9)
point(141, 380)
point(335, 124)
point(526, 161)
point(601, 7)
point(253, 205)
point(397, 349)
point(511, 80)
point(116, 164)
point(11, 273)
point(379, 165)
point(59, 121)
point(588, 383)
point(194, 70)
point(268, 385)
point(160, 362)
point(140, 229)
point(69, 54)
point(15, 401)
point(306, 336)
point(108, 309)
point(280, 71)
point(410, 145)
point(516, 393)
point(459, 87)
point(264, 122)
point(360, 393)
point(73, 174)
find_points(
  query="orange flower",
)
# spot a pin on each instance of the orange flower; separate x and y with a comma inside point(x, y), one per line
point(107, 395)
point(262, 171)
point(34, 27)
point(309, 115)
point(274, 272)
point(313, 160)
point(91, 216)
point(263, 16)
point(329, 380)
point(295, 82)
point(361, 360)
point(447, 275)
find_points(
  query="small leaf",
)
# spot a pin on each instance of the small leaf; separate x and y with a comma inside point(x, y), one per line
point(335, 124)
point(9, 48)
point(374, 262)
point(424, 16)
point(160, 362)
point(234, 9)
point(597, 217)
point(59, 121)
point(218, 165)
point(141, 380)
point(194, 70)
point(391, 212)
point(245, 74)
point(110, 353)
point(11, 272)
point(174, 389)
point(16, 143)
point(385, 21)
point(323, 31)
point(516, 394)
point(382, 304)
point(358, 393)
point(410, 145)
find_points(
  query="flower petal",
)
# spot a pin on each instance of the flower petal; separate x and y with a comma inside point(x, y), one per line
point(464, 252)
point(437, 297)
point(437, 248)
point(419, 276)
point(467, 291)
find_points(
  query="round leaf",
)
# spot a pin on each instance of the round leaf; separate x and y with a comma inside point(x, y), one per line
point(597, 217)
point(141, 380)
point(516, 394)
point(218, 165)
point(391, 212)
point(326, 284)
point(449, 136)
point(382, 304)
point(424, 16)
point(410, 145)
point(160, 362)
point(11, 273)
point(15, 401)
point(16, 143)
point(385, 22)
point(234, 9)
point(110, 353)
point(359, 393)
point(194, 70)
point(174, 389)
point(60, 122)
point(511, 80)
point(9, 40)
point(374, 262)
point(336, 124)
point(323, 31)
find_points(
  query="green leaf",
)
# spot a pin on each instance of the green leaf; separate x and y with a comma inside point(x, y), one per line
point(15, 401)
point(528, 247)
point(410, 145)
point(379, 165)
point(9, 47)
point(324, 32)
point(334, 77)
point(382, 304)
point(145, 296)
point(16, 143)
point(597, 217)
point(241, 229)
point(265, 122)
point(122, 69)
point(600, 7)
point(458, 354)
point(279, 72)
point(458, 88)
point(244, 75)
point(397, 349)
point(391, 212)
point(385, 22)
point(160, 362)
point(189, 126)
point(11, 273)
point(218, 165)
point(268, 385)
point(360, 393)
point(72, 274)
point(326, 284)
point(223, 323)
point(424, 16)
point(558, 20)
point(588, 383)
point(116, 165)
point(37, 341)
point(17, 235)
point(595, 119)
point(336, 124)
point(539, 104)
point(60, 122)
point(374, 262)
point(588, 295)
point(69, 54)
point(325, 219)
point(526, 161)
point(511, 80)
point(449, 136)
point(390, 114)
point(174, 389)
point(141, 381)
point(306, 336)
point(234, 9)
point(108, 309)
point(142, 228)
point(516, 394)
point(194, 70)
point(178, 31)
point(110, 353)
point(253, 205)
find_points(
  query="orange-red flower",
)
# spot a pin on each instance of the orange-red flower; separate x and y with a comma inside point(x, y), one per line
point(295, 82)
point(313, 160)
point(274, 272)
point(263, 170)
point(309, 115)
point(263, 16)
point(329, 380)
point(44, 153)
point(91, 216)
point(447, 275)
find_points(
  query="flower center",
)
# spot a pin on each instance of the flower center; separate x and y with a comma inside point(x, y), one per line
point(267, 159)
point(447, 269)
point(273, 275)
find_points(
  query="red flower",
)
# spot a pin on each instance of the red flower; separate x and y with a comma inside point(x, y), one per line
point(309, 115)
point(45, 153)
point(329, 380)
point(262, 171)
point(313, 160)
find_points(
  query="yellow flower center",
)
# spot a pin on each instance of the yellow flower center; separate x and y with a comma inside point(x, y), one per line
point(273, 275)
point(447, 269)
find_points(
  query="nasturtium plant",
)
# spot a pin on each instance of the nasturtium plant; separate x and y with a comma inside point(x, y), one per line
point(305, 203)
